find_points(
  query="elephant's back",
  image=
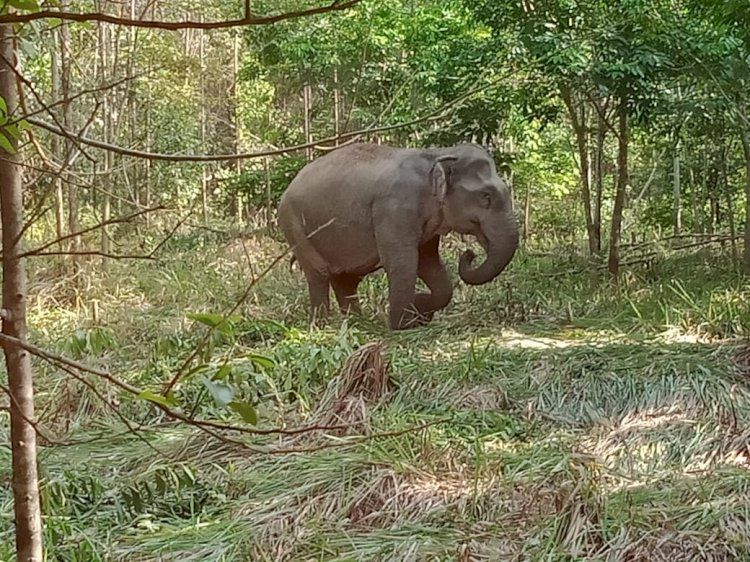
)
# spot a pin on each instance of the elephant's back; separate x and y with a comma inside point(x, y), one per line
point(334, 195)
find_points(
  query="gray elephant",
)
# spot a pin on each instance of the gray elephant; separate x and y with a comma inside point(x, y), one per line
point(367, 206)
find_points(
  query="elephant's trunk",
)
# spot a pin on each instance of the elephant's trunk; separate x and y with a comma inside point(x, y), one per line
point(500, 246)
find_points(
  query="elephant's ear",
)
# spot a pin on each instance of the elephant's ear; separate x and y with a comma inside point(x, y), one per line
point(440, 177)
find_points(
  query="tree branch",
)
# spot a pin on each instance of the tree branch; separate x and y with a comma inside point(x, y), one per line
point(118, 220)
point(435, 115)
point(135, 391)
point(248, 20)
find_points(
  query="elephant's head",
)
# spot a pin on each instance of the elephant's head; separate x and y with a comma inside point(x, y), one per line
point(476, 201)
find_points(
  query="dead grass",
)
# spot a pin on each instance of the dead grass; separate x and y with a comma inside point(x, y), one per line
point(590, 426)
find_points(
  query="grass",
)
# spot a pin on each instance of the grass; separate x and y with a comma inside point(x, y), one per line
point(586, 422)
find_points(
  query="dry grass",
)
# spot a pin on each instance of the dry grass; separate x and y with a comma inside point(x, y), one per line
point(593, 426)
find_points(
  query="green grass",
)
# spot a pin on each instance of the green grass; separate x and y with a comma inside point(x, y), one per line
point(585, 421)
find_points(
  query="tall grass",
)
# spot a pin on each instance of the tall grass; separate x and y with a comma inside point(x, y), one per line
point(587, 421)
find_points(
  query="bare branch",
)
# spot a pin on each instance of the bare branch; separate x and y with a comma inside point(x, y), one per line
point(248, 20)
point(435, 115)
point(95, 253)
point(117, 220)
point(130, 389)
point(29, 421)
point(82, 93)
point(108, 403)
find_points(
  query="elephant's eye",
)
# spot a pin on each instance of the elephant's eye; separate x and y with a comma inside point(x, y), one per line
point(485, 199)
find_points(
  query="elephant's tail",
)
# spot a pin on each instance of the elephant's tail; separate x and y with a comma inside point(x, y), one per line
point(304, 251)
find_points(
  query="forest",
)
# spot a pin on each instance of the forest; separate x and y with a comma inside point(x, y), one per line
point(169, 391)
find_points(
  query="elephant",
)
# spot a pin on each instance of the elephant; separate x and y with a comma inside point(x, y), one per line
point(364, 206)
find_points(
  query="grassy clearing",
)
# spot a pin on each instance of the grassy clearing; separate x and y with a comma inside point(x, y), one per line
point(586, 422)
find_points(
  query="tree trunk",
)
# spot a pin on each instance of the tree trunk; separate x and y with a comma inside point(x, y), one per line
point(108, 124)
point(267, 168)
point(204, 172)
point(697, 204)
point(307, 108)
point(601, 132)
point(527, 217)
point(18, 362)
point(578, 119)
point(622, 183)
point(74, 224)
point(336, 107)
point(237, 126)
point(677, 191)
point(730, 206)
point(745, 134)
point(57, 149)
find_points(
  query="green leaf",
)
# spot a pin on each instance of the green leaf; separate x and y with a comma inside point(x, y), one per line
point(25, 5)
point(168, 400)
point(262, 361)
point(246, 411)
point(6, 145)
point(221, 393)
point(207, 319)
point(14, 132)
point(3, 106)
point(223, 373)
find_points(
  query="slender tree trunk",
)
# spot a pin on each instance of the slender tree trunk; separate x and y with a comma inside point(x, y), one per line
point(237, 126)
point(622, 184)
point(57, 149)
point(677, 190)
point(745, 135)
point(730, 205)
point(18, 362)
point(267, 168)
point(204, 171)
point(336, 107)
point(74, 224)
point(601, 132)
point(108, 123)
point(527, 216)
point(307, 107)
point(696, 202)
point(578, 119)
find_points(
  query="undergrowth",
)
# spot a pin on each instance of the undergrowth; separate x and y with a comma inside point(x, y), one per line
point(585, 420)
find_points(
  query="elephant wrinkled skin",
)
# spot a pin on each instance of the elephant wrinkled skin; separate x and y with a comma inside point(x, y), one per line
point(367, 206)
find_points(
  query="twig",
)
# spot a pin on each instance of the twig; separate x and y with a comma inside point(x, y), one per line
point(356, 440)
point(104, 400)
point(435, 115)
point(231, 311)
point(31, 422)
point(247, 20)
point(135, 391)
point(118, 220)
point(94, 253)
point(80, 94)
point(40, 101)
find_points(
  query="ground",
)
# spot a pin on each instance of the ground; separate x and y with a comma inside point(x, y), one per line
point(567, 419)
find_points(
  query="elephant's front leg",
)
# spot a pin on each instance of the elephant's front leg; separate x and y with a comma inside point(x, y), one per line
point(400, 263)
point(433, 272)
point(401, 269)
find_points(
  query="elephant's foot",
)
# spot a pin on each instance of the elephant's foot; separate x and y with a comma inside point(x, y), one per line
point(411, 319)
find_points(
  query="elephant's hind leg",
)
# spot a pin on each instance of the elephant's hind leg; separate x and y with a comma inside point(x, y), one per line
point(345, 287)
point(432, 271)
point(319, 287)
